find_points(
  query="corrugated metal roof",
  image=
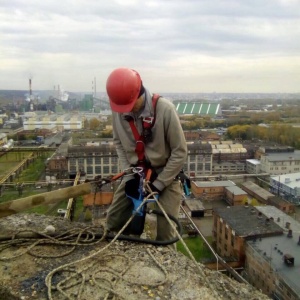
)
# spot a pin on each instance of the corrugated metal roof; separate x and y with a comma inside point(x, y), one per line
point(197, 108)
point(221, 146)
point(236, 146)
point(238, 150)
point(222, 151)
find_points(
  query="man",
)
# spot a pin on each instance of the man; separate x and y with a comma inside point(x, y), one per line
point(165, 148)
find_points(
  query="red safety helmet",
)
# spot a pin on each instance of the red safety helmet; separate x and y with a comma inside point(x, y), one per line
point(123, 87)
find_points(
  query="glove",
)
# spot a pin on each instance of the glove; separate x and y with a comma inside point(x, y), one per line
point(132, 187)
point(154, 188)
point(184, 179)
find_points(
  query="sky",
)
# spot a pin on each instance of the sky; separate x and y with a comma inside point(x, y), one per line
point(179, 46)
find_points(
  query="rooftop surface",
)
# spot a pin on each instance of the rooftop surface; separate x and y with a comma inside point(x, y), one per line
point(272, 249)
point(247, 221)
point(253, 161)
point(284, 156)
point(292, 180)
point(194, 204)
point(257, 189)
point(214, 183)
point(280, 218)
point(236, 190)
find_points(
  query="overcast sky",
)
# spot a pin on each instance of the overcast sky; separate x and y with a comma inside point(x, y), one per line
point(176, 45)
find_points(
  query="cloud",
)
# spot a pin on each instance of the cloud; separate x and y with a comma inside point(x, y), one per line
point(174, 44)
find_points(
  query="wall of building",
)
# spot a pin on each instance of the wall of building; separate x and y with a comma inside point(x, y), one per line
point(208, 192)
point(235, 199)
point(284, 166)
point(227, 243)
point(259, 273)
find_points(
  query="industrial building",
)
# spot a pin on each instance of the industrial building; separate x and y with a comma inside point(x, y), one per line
point(234, 225)
point(198, 108)
point(266, 197)
point(279, 163)
point(273, 262)
point(287, 186)
point(50, 121)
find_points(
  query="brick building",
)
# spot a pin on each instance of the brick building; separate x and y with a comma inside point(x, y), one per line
point(234, 225)
point(273, 262)
point(266, 197)
point(210, 190)
point(235, 195)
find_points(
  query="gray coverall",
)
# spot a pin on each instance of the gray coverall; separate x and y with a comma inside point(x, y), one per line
point(167, 153)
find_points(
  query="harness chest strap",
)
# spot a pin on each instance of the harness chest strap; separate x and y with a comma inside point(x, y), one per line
point(148, 123)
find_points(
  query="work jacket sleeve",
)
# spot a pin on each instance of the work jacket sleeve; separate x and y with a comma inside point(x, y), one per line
point(175, 140)
point(124, 163)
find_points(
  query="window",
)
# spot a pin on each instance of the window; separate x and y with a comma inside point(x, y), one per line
point(106, 160)
point(89, 170)
point(97, 160)
point(281, 285)
point(106, 170)
point(200, 157)
point(72, 161)
point(114, 159)
point(89, 160)
point(98, 170)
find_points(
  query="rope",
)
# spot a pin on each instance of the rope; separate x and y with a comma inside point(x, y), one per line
point(50, 275)
point(76, 273)
point(188, 250)
point(47, 239)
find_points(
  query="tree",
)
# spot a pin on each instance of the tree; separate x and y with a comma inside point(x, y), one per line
point(85, 124)
point(94, 124)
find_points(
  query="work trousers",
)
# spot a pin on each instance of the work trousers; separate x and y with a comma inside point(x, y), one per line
point(121, 210)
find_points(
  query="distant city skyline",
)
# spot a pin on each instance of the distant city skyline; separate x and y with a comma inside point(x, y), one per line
point(44, 95)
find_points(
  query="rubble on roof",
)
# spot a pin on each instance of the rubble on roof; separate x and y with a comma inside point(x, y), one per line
point(44, 257)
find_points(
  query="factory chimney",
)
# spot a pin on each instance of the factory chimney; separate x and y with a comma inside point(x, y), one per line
point(30, 90)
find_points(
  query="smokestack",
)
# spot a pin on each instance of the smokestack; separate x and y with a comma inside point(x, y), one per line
point(30, 91)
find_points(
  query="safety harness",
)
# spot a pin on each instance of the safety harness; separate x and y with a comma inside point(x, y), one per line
point(145, 136)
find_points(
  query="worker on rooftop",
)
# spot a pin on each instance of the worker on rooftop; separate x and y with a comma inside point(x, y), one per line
point(163, 145)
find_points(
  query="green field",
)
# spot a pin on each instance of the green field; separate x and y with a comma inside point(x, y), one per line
point(10, 160)
point(198, 248)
